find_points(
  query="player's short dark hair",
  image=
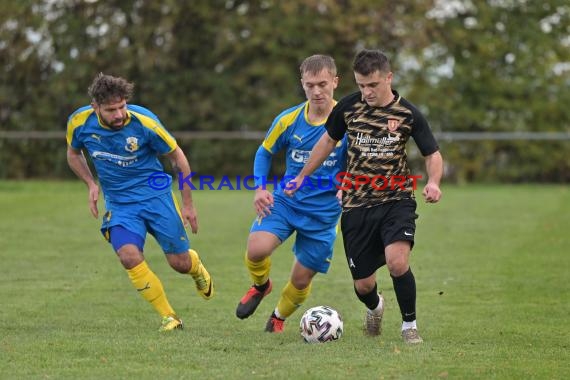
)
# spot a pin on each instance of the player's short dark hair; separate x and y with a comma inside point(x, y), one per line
point(316, 63)
point(106, 89)
point(367, 62)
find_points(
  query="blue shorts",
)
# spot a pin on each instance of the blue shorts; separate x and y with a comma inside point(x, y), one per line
point(314, 243)
point(159, 216)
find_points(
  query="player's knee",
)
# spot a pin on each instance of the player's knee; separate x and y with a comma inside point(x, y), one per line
point(260, 245)
point(397, 263)
point(130, 256)
point(364, 286)
point(301, 282)
point(397, 267)
point(258, 250)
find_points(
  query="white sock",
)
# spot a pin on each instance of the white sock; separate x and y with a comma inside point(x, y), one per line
point(277, 314)
point(379, 308)
point(409, 325)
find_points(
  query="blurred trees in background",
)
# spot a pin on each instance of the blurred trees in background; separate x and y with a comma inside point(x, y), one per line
point(213, 65)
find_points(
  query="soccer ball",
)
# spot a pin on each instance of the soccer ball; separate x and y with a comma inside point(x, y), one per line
point(321, 324)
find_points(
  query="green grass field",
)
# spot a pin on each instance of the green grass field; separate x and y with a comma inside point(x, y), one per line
point(491, 264)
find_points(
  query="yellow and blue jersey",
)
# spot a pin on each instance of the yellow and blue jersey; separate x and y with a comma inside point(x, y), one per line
point(291, 130)
point(124, 159)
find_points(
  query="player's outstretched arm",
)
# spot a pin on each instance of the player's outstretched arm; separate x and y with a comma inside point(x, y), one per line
point(319, 154)
point(434, 168)
point(78, 164)
point(180, 165)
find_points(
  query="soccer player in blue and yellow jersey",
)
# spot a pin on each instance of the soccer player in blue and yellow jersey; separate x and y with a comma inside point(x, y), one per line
point(378, 222)
point(313, 213)
point(124, 142)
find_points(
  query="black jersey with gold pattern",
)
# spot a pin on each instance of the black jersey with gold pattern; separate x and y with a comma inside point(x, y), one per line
point(377, 170)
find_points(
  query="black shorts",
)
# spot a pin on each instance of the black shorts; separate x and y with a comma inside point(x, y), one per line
point(367, 231)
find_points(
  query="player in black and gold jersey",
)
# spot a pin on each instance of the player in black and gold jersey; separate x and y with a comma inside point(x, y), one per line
point(379, 208)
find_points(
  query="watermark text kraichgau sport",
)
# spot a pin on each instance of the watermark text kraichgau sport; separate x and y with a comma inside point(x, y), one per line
point(342, 181)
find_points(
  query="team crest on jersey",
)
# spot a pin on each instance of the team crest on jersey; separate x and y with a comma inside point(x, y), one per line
point(393, 124)
point(132, 144)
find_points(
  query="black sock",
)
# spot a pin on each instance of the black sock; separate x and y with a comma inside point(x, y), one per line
point(405, 288)
point(262, 288)
point(371, 300)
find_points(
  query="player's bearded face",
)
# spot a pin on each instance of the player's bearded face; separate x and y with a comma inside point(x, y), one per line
point(113, 114)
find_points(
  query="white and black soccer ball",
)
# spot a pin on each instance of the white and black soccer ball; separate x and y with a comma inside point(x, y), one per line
point(321, 324)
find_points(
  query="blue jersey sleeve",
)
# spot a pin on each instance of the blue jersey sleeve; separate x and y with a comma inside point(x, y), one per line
point(261, 165)
point(74, 142)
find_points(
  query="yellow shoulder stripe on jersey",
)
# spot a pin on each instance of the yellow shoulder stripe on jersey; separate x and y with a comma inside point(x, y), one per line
point(152, 124)
point(77, 120)
point(281, 126)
